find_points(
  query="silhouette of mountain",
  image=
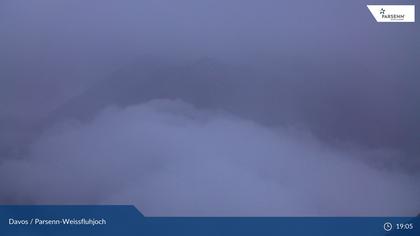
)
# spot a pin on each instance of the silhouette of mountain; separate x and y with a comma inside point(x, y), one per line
point(343, 104)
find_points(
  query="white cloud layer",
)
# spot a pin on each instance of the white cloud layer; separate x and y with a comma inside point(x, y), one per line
point(169, 158)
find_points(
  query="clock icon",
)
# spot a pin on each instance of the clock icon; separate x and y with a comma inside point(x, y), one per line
point(387, 226)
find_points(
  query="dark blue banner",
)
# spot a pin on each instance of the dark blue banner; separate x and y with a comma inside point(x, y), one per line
point(127, 220)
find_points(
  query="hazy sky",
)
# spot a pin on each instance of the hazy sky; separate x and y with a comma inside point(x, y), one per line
point(210, 107)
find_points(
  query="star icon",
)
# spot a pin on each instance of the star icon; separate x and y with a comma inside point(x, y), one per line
point(382, 11)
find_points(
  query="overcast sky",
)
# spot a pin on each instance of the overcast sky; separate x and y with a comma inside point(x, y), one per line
point(229, 107)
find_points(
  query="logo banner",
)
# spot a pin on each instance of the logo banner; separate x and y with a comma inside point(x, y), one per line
point(393, 13)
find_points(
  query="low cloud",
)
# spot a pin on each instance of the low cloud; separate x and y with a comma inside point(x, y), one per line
point(170, 158)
